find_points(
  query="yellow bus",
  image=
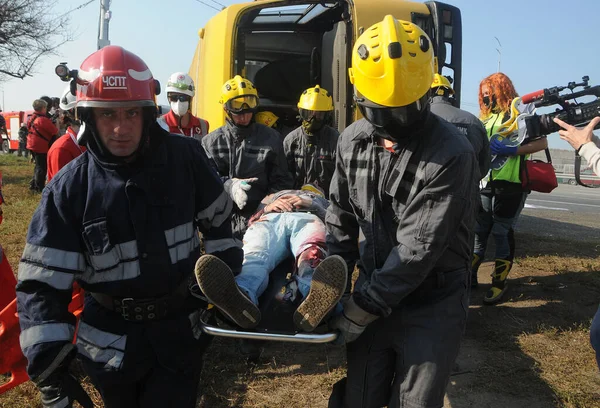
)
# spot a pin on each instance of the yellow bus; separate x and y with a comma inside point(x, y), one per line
point(286, 46)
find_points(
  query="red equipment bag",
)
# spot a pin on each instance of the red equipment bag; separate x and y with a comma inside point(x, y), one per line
point(537, 175)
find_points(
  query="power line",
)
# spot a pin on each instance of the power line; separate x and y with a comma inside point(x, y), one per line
point(76, 8)
point(220, 4)
point(208, 5)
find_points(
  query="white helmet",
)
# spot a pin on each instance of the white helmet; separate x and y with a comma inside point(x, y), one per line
point(68, 101)
point(182, 83)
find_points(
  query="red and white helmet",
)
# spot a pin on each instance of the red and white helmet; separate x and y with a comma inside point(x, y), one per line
point(115, 77)
point(182, 83)
point(68, 101)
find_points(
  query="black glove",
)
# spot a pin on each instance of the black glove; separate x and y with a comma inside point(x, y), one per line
point(61, 390)
point(352, 322)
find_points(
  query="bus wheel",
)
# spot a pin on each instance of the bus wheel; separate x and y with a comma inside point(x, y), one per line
point(5, 146)
point(573, 182)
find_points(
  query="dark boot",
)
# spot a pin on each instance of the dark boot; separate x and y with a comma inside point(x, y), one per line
point(499, 283)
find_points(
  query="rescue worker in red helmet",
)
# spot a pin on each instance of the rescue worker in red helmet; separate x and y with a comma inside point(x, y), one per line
point(249, 156)
point(122, 223)
point(179, 120)
point(404, 179)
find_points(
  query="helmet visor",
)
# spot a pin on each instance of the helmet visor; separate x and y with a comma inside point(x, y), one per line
point(306, 114)
point(381, 116)
point(241, 103)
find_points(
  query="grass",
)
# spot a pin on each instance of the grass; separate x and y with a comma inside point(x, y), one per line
point(531, 350)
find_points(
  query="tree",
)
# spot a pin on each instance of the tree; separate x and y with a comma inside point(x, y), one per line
point(28, 32)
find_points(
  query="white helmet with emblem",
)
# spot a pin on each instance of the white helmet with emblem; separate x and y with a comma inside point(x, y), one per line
point(182, 83)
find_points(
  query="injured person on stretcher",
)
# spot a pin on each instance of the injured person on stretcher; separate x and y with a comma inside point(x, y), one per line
point(290, 222)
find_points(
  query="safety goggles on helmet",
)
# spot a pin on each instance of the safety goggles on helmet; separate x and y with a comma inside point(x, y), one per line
point(178, 98)
point(306, 114)
point(180, 85)
point(239, 104)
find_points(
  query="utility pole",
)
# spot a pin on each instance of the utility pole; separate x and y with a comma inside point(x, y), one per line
point(105, 16)
point(499, 49)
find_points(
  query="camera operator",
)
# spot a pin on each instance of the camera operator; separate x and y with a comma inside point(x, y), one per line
point(582, 140)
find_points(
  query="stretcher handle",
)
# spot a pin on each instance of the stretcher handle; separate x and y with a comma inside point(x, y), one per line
point(309, 338)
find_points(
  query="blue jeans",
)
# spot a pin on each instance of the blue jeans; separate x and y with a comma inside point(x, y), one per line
point(498, 215)
point(595, 336)
point(271, 240)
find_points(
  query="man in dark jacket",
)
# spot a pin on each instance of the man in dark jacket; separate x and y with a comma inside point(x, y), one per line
point(122, 221)
point(404, 179)
point(249, 157)
point(467, 123)
point(310, 149)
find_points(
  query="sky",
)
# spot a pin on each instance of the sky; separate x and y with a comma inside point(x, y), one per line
point(544, 43)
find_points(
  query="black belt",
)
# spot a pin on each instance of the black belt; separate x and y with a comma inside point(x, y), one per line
point(147, 309)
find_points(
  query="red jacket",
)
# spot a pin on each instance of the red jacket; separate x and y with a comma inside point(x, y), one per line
point(41, 132)
point(62, 152)
point(196, 127)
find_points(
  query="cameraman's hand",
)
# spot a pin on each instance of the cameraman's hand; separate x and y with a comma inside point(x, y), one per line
point(61, 390)
point(497, 148)
point(577, 137)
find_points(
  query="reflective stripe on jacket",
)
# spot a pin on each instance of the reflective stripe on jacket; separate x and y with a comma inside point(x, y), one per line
point(125, 232)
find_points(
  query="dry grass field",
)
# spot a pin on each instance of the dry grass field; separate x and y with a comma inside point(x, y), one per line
point(530, 351)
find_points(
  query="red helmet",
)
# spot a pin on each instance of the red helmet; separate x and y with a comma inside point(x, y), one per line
point(115, 77)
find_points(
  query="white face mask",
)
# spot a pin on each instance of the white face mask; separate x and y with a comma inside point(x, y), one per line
point(180, 108)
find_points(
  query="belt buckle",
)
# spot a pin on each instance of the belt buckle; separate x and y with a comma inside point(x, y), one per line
point(125, 307)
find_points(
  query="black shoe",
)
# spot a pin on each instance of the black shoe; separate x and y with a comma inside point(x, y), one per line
point(218, 285)
point(326, 289)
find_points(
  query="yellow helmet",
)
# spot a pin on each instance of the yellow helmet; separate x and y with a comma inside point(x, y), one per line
point(316, 99)
point(392, 63)
point(266, 118)
point(238, 95)
point(440, 81)
point(313, 188)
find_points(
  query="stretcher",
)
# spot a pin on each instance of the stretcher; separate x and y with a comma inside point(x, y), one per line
point(276, 316)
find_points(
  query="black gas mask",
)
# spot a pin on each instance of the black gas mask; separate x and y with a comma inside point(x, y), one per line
point(397, 122)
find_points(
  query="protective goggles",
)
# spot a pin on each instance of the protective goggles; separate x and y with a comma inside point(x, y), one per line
point(180, 85)
point(241, 103)
point(307, 115)
point(178, 97)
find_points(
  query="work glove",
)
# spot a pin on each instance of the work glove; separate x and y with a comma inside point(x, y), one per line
point(239, 188)
point(497, 148)
point(61, 390)
point(352, 322)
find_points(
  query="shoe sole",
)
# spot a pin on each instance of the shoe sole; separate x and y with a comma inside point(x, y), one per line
point(326, 289)
point(218, 285)
point(498, 298)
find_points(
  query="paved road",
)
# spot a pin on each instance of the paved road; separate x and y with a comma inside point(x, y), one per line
point(567, 198)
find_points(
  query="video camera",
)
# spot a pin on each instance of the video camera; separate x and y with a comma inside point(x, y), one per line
point(572, 112)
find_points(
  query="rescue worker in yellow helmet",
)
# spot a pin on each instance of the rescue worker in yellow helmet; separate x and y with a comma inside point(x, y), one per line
point(442, 104)
point(404, 178)
point(249, 156)
point(310, 149)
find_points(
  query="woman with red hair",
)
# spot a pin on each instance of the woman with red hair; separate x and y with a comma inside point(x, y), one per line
point(502, 196)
